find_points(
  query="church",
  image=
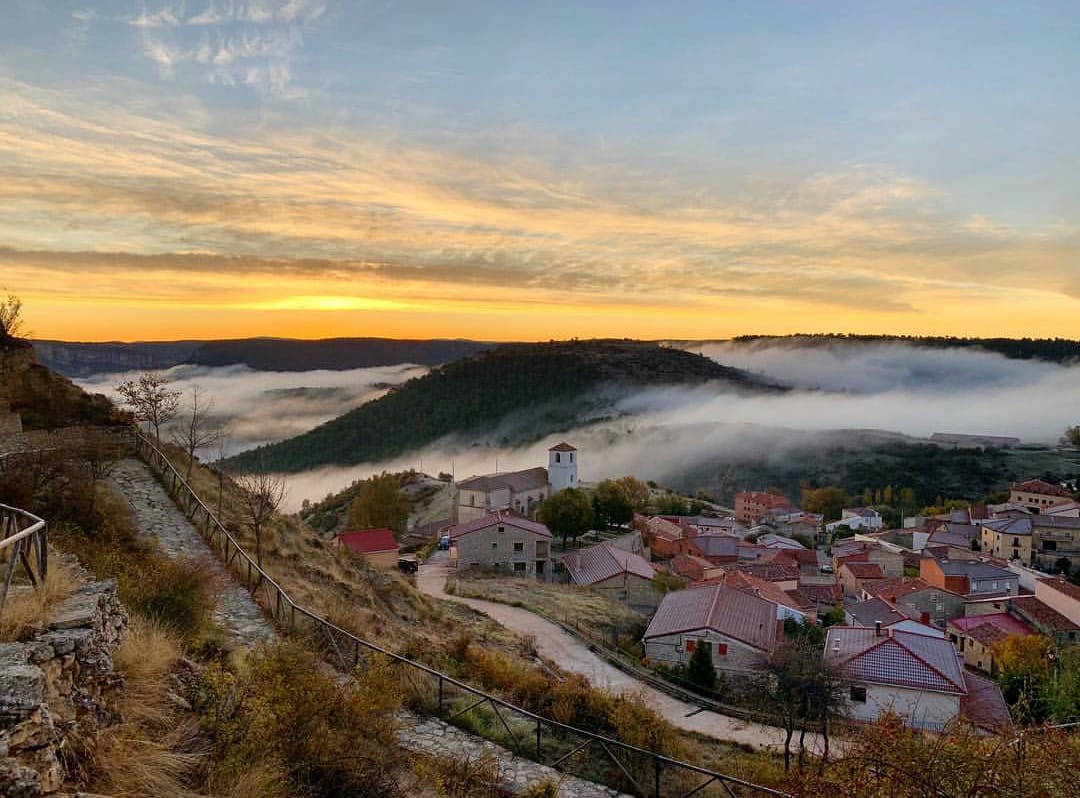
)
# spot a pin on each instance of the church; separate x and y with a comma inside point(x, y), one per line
point(520, 492)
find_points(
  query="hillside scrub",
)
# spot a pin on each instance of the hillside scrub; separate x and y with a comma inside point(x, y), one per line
point(28, 608)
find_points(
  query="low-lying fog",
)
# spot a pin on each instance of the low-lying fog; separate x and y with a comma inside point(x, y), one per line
point(256, 407)
point(661, 433)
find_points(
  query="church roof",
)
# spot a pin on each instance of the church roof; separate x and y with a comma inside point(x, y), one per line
point(563, 447)
point(516, 481)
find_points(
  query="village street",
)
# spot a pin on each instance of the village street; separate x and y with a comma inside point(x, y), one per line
point(572, 654)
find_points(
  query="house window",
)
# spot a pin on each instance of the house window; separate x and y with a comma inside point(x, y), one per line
point(690, 646)
point(858, 694)
point(721, 649)
point(494, 545)
point(571, 457)
point(519, 547)
point(519, 568)
point(558, 457)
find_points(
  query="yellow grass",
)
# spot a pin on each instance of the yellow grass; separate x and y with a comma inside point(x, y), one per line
point(29, 609)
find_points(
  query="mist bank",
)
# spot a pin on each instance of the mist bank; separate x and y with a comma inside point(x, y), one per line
point(257, 407)
point(854, 398)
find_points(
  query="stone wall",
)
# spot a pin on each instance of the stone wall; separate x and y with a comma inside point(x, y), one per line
point(9, 422)
point(59, 683)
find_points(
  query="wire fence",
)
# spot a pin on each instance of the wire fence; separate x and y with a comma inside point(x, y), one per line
point(571, 749)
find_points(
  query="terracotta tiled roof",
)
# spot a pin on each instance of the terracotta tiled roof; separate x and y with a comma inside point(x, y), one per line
point(813, 595)
point(742, 616)
point(748, 583)
point(368, 541)
point(1043, 615)
point(1062, 586)
point(864, 570)
point(516, 481)
point(771, 571)
point(902, 659)
point(984, 705)
point(1040, 486)
point(990, 629)
point(499, 517)
point(603, 561)
point(563, 447)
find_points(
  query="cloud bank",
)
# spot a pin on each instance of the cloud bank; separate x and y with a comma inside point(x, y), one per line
point(256, 407)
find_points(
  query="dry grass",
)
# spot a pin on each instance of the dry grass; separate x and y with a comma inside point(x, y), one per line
point(155, 750)
point(29, 609)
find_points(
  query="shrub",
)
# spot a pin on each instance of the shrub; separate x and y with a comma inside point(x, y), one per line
point(329, 740)
point(176, 593)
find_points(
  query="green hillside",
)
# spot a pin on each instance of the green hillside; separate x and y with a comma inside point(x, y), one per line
point(530, 389)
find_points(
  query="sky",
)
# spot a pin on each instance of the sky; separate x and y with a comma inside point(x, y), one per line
point(522, 170)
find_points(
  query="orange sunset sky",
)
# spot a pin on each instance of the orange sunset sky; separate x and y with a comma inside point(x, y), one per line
point(500, 171)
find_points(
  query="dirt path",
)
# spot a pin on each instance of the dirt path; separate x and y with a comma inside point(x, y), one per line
point(573, 655)
point(157, 516)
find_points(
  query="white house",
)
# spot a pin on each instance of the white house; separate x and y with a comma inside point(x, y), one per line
point(857, 518)
point(920, 678)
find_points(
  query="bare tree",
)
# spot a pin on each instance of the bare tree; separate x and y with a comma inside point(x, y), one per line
point(151, 400)
point(11, 321)
point(262, 495)
point(193, 432)
point(100, 456)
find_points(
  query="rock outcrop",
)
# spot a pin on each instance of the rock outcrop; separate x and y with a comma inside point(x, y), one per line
point(57, 684)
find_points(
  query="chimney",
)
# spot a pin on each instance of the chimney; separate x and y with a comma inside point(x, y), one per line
point(877, 628)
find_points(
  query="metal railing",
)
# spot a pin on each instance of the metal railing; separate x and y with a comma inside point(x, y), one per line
point(25, 541)
point(544, 739)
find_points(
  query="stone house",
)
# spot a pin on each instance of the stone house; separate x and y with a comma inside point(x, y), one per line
point(618, 574)
point(871, 613)
point(854, 577)
point(740, 628)
point(1061, 595)
point(1055, 537)
point(506, 543)
point(891, 562)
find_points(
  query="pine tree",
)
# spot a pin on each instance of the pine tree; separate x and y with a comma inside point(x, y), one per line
point(700, 670)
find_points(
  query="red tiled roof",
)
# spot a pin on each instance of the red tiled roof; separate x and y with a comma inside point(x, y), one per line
point(693, 568)
point(748, 583)
point(903, 659)
point(368, 541)
point(741, 616)
point(563, 447)
point(990, 629)
point(603, 561)
point(984, 705)
point(770, 571)
point(1062, 586)
point(812, 595)
point(1043, 614)
point(499, 517)
point(864, 570)
point(1040, 486)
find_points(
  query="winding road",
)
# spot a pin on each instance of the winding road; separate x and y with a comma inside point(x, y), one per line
point(572, 654)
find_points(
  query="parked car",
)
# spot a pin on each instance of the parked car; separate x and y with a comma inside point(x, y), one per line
point(408, 564)
point(444, 543)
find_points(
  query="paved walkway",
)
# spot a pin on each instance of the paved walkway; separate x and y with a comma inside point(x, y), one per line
point(157, 516)
point(571, 654)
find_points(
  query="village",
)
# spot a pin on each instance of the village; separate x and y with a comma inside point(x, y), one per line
point(931, 622)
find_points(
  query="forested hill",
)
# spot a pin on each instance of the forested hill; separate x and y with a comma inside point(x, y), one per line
point(1055, 350)
point(523, 390)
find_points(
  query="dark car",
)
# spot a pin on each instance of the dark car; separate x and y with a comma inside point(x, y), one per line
point(408, 564)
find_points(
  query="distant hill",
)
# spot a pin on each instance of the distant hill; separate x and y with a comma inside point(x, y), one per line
point(75, 359)
point(1055, 350)
point(337, 354)
point(514, 392)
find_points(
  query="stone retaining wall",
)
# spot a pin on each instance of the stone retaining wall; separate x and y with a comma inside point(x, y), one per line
point(57, 684)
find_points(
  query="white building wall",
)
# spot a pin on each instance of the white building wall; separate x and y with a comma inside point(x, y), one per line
point(923, 709)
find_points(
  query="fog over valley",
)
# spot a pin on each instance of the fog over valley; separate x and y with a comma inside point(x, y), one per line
point(669, 434)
